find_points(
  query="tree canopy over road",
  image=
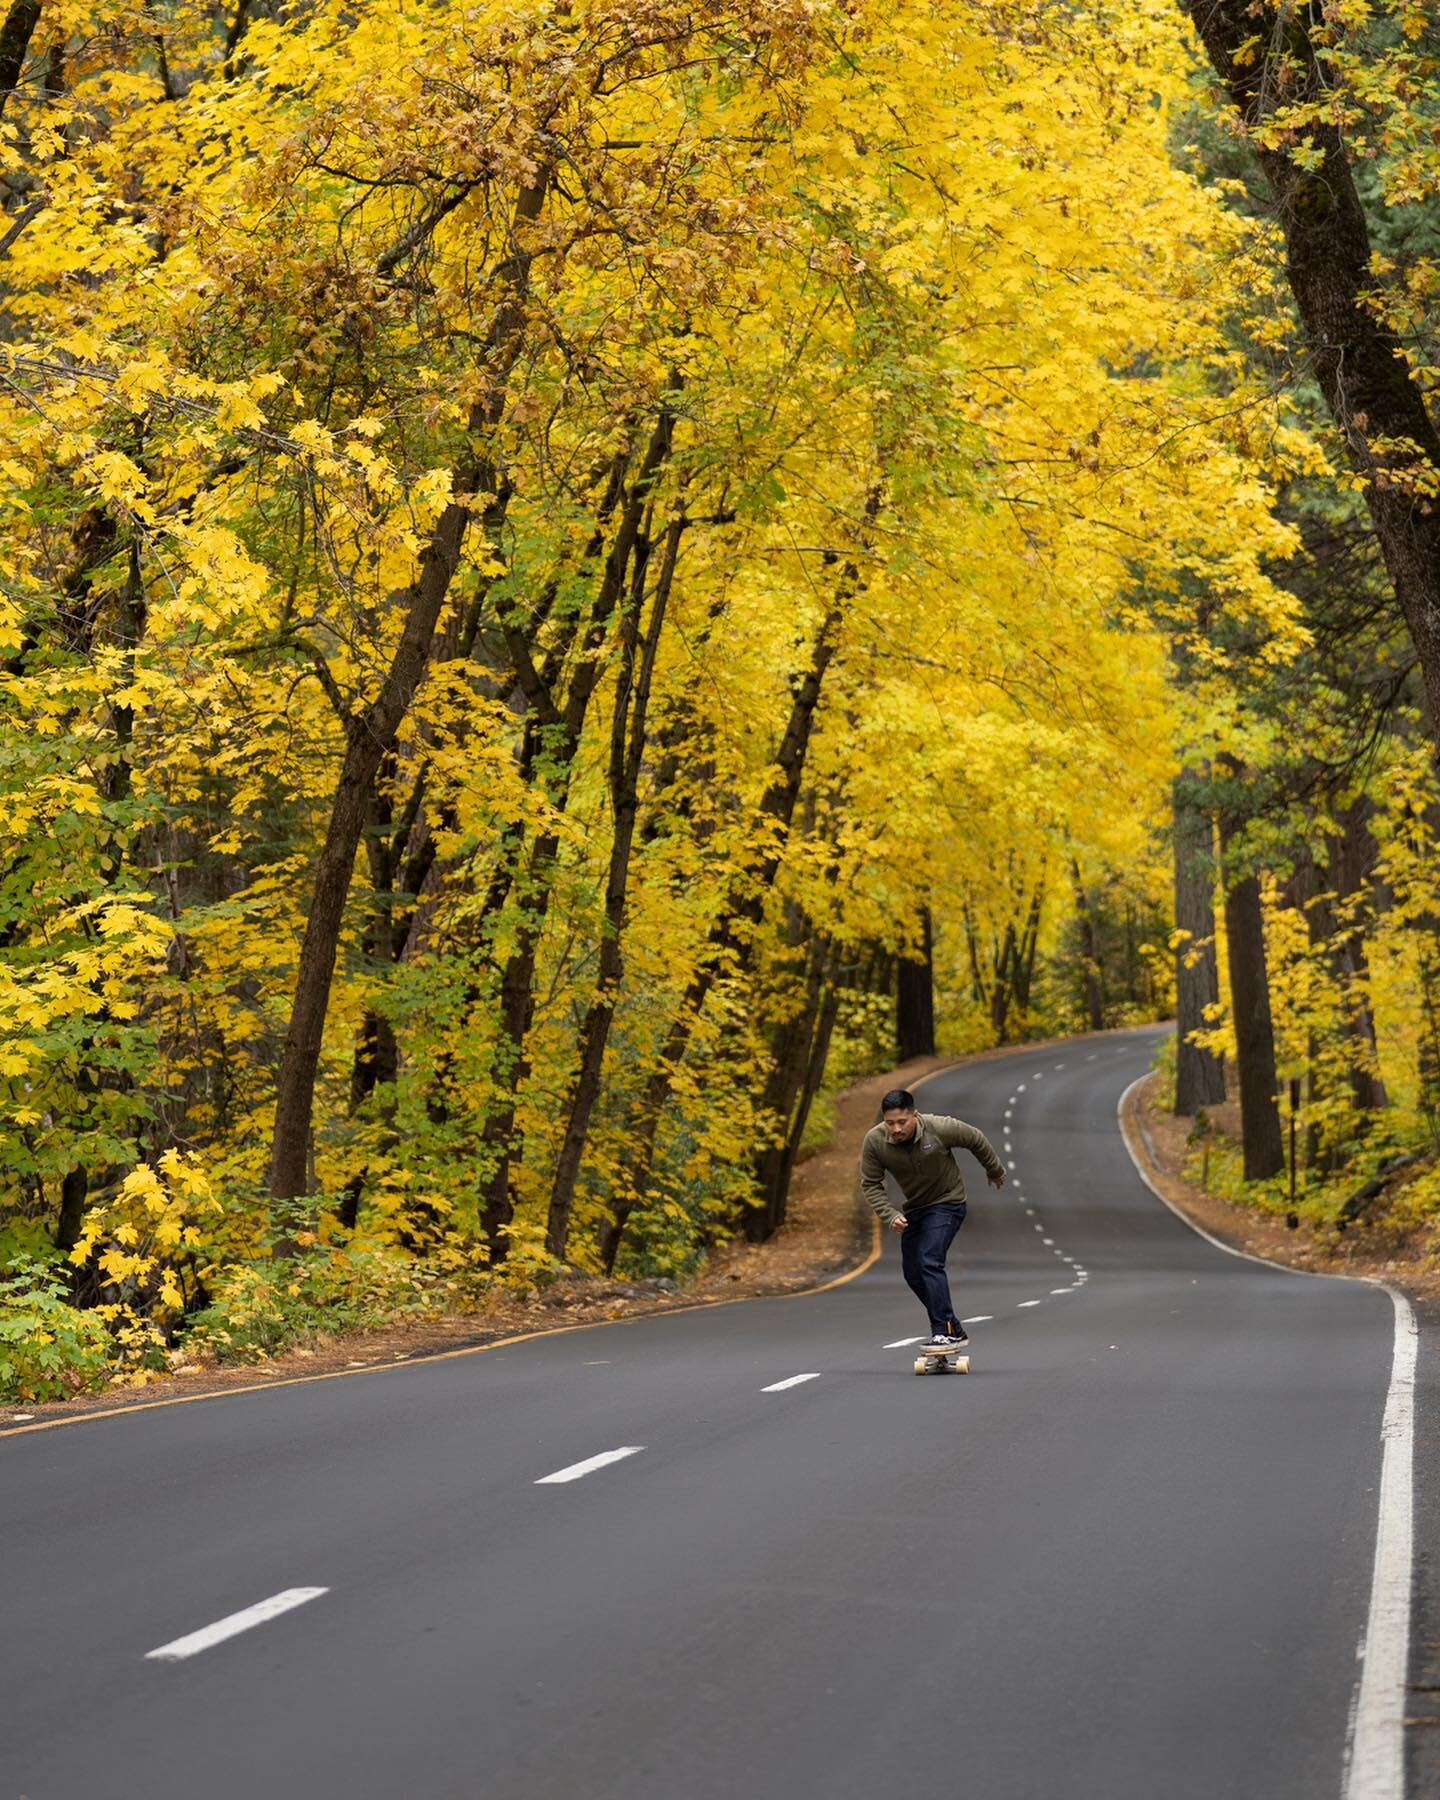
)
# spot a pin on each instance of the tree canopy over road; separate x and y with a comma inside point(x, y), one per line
point(559, 556)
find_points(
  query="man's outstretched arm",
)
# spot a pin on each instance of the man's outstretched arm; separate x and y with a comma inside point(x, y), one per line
point(961, 1136)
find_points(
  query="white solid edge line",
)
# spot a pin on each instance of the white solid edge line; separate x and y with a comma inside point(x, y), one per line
point(208, 1635)
point(1376, 1766)
point(899, 1344)
point(576, 1470)
point(1375, 1742)
point(790, 1381)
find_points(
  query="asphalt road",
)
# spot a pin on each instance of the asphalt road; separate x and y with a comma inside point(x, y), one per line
point(1128, 1556)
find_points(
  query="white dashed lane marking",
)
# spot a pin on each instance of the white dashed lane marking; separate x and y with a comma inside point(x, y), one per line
point(233, 1624)
point(790, 1381)
point(1029, 1303)
point(590, 1464)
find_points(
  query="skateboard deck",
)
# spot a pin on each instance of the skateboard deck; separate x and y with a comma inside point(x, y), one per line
point(932, 1360)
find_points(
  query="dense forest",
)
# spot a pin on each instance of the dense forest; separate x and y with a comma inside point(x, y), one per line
point(579, 574)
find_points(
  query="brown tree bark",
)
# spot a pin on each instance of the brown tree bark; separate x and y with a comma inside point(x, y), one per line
point(1264, 1148)
point(370, 735)
point(915, 997)
point(1199, 1074)
point(1428, 1053)
point(1363, 369)
point(627, 748)
point(1011, 971)
point(74, 1191)
point(730, 944)
point(15, 36)
point(795, 1075)
point(517, 1002)
point(1092, 969)
point(1351, 867)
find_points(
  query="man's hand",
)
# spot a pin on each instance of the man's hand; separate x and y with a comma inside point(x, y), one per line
point(998, 1181)
point(899, 1222)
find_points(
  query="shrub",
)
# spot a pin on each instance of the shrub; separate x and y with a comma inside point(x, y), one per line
point(142, 1244)
point(261, 1308)
point(50, 1349)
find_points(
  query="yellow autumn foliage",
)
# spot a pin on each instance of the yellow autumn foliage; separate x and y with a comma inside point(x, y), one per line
point(857, 383)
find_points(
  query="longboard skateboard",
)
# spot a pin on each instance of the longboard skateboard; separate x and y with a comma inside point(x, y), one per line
point(932, 1360)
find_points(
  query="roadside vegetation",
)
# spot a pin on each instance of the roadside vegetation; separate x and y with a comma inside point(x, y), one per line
point(579, 575)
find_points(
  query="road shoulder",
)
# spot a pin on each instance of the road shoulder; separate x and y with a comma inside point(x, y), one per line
point(1157, 1140)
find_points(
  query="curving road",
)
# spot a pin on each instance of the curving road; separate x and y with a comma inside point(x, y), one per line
point(1129, 1556)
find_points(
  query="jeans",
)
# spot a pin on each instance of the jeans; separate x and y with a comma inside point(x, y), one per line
point(924, 1244)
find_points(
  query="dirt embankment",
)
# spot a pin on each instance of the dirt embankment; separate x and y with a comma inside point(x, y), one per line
point(1406, 1256)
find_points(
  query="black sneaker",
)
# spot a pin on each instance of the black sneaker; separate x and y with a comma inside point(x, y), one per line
point(952, 1341)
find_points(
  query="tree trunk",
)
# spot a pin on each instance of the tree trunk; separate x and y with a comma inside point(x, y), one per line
point(1428, 1053)
point(979, 987)
point(791, 1063)
point(1089, 953)
point(1264, 1148)
point(1024, 970)
point(1363, 370)
point(74, 1191)
point(778, 1199)
point(731, 940)
point(1199, 1074)
point(1352, 864)
point(915, 997)
point(370, 736)
point(517, 1008)
point(1006, 959)
point(627, 749)
point(15, 36)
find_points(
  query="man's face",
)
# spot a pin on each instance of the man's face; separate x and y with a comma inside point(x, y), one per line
point(900, 1123)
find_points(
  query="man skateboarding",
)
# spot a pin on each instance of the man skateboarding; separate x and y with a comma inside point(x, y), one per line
point(916, 1148)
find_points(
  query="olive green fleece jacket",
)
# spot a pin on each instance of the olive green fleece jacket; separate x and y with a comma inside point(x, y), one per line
point(923, 1167)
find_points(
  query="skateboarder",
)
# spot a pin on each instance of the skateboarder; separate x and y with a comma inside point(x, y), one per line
point(916, 1148)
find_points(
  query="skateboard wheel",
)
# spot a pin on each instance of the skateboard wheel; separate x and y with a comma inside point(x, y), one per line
point(942, 1365)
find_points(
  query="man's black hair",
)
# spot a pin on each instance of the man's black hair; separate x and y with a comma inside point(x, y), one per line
point(898, 1097)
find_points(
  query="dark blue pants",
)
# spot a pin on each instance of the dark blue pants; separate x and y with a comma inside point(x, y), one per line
point(924, 1243)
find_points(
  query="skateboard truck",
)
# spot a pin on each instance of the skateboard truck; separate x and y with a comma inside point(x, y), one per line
point(933, 1360)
